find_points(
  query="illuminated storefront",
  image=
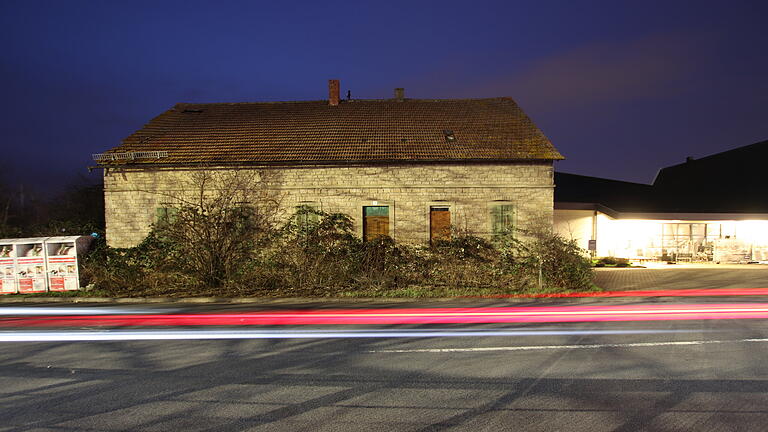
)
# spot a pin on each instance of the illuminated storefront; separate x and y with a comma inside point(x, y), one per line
point(697, 237)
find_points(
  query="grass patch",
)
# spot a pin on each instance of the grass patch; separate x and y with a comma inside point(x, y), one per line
point(78, 293)
point(413, 292)
point(451, 292)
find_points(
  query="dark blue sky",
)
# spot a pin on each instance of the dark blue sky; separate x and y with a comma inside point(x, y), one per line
point(621, 88)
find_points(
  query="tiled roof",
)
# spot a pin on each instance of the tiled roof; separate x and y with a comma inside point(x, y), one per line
point(364, 131)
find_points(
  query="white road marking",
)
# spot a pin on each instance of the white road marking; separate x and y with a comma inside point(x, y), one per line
point(564, 347)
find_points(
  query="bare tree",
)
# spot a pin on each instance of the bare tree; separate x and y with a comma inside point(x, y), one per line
point(6, 198)
point(218, 221)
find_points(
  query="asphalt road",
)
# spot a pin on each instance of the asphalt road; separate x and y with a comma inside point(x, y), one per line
point(659, 375)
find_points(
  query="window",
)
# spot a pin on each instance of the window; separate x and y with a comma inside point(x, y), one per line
point(676, 234)
point(687, 241)
point(307, 214)
point(502, 219)
point(439, 223)
point(375, 222)
point(449, 136)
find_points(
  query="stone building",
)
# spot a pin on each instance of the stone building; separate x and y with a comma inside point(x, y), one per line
point(413, 169)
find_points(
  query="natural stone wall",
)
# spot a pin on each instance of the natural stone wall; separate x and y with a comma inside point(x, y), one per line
point(133, 194)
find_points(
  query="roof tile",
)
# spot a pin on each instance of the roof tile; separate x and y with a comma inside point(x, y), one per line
point(354, 131)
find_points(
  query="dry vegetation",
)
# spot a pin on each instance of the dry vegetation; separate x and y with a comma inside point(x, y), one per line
point(317, 255)
point(224, 239)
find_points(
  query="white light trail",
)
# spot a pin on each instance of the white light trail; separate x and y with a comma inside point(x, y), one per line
point(53, 311)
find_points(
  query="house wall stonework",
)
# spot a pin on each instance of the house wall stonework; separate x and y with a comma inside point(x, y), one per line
point(133, 194)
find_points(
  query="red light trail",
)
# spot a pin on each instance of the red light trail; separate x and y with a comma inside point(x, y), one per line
point(548, 314)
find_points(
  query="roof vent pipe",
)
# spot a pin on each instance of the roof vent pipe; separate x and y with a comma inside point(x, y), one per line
point(400, 94)
point(333, 92)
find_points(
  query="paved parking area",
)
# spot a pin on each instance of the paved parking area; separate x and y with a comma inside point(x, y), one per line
point(683, 276)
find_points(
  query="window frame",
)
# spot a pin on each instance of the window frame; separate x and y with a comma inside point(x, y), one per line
point(492, 231)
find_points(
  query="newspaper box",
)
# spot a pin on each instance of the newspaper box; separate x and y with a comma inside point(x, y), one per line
point(7, 267)
point(30, 265)
point(62, 255)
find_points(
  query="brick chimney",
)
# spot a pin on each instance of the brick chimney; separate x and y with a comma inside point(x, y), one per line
point(400, 94)
point(333, 92)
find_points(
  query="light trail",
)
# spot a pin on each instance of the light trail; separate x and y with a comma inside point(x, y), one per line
point(99, 310)
point(135, 335)
point(412, 316)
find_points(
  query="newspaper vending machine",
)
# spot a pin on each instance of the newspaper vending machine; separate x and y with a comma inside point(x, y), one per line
point(7, 267)
point(30, 265)
point(62, 255)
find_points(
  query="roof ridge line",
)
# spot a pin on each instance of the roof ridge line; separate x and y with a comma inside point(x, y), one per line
point(182, 104)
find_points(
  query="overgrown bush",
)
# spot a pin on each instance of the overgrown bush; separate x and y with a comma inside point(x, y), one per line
point(135, 271)
point(312, 250)
point(544, 260)
point(317, 254)
point(465, 261)
point(220, 223)
point(612, 261)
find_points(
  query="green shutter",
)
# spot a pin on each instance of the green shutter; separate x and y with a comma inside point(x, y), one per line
point(502, 219)
point(308, 217)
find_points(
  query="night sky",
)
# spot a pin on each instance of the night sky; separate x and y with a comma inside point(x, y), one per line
point(621, 88)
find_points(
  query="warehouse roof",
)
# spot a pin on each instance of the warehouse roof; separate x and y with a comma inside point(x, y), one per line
point(354, 131)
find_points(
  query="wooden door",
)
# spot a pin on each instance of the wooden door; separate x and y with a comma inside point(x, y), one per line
point(375, 222)
point(439, 223)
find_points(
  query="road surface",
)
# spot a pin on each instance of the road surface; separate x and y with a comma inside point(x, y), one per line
point(682, 374)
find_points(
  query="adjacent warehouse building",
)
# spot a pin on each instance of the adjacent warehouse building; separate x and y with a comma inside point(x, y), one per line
point(709, 209)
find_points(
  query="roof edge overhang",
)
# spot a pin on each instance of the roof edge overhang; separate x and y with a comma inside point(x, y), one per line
point(587, 206)
point(689, 216)
point(698, 216)
point(350, 162)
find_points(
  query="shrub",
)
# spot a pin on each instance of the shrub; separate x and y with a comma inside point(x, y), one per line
point(219, 223)
point(612, 261)
point(313, 249)
point(317, 254)
point(547, 259)
point(125, 271)
point(622, 262)
point(461, 262)
point(466, 247)
point(384, 264)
